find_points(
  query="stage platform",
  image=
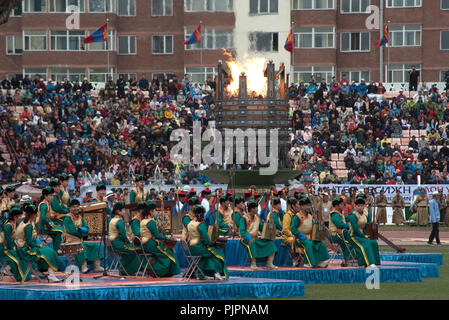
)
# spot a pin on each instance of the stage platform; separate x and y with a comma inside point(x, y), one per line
point(390, 272)
point(133, 288)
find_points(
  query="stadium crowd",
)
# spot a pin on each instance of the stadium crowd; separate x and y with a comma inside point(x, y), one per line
point(123, 131)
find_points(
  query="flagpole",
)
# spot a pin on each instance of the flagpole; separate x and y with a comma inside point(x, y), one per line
point(381, 53)
point(292, 60)
point(107, 47)
point(388, 53)
point(201, 44)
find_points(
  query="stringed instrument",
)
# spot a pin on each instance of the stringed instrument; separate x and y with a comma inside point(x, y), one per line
point(269, 228)
point(372, 229)
point(213, 229)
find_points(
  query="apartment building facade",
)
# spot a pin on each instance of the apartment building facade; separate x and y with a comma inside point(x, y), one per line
point(145, 38)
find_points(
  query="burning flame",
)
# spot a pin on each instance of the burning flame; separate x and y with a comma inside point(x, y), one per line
point(254, 70)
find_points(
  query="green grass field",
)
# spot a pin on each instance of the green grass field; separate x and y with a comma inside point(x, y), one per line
point(427, 289)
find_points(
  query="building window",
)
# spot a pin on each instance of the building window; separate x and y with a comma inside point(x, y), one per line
point(63, 6)
point(444, 40)
point(356, 76)
point(14, 44)
point(307, 38)
point(126, 8)
point(200, 74)
point(161, 8)
point(101, 5)
point(161, 75)
point(354, 6)
point(66, 40)
point(399, 72)
point(355, 41)
point(101, 74)
point(35, 6)
point(405, 35)
point(264, 41)
point(444, 4)
point(263, 6)
point(313, 4)
point(306, 73)
point(32, 72)
point(213, 39)
point(102, 46)
point(127, 45)
point(128, 76)
point(403, 3)
point(208, 5)
point(162, 45)
point(35, 40)
point(17, 12)
point(73, 75)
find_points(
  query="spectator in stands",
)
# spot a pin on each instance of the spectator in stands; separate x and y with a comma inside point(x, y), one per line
point(413, 79)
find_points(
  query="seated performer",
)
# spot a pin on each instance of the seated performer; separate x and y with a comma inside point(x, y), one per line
point(250, 227)
point(139, 193)
point(32, 249)
point(129, 261)
point(165, 263)
point(337, 226)
point(212, 258)
point(76, 229)
point(45, 222)
point(278, 215)
point(135, 222)
point(225, 215)
point(315, 252)
point(16, 266)
point(189, 216)
point(239, 211)
point(57, 206)
point(367, 250)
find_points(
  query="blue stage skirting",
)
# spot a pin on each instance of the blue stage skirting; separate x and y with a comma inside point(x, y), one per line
point(427, 270)
point(242, 288)
point(436, 258)
point(346, 275)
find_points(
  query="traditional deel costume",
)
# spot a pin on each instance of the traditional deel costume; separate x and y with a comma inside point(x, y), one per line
point(45, 223)
point(7, 252)
point(337, 226)
point(129, 261)
point(212, 258)
point(250, 228)
point(165, 263)
point(315, 252)
point(31, 248)
point(367, 250)
point(76, 229)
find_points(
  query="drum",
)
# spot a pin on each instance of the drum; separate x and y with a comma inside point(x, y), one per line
point(318, 233)
point(72, 249)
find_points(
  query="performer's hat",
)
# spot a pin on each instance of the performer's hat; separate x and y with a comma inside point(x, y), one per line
point(199, 209)
point(10, 188)
point(251, 204)
point(276, 201)
point(192, 192)
point(139, 178)
point(238, 199)
point(193, 201)
point(359, 200)
point(47, 190)
point(30, 208)
point(336, 201)
point(54, 183)
point(63, 177)
point(181, 193)
point(15, 209)
point(304, 200)
point(150, 204)
point(206, 191)
point(118, 206)
point(255, 194)
point(74, 202)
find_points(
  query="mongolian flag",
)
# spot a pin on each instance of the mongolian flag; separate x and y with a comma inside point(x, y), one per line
point(289, 43)
point(99, 35)
point(209, 217)
point(195, 37)
point(385, 37)
point(265, 210)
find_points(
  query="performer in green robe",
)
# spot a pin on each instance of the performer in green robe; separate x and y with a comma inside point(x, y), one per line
point(367, 250)
point(212, 261)
point(239, 211)
point(189, 216)
point(315, 252)
point(135, 222)
point(16, 266)
point(129, 261)
point(278, 214)
point(45, 223)
point(225, 223)
point(339, 228)
point(139, 193)
point(165, 263)
point(31, 248)
point(76, 229)
point(57, 205)
point(250, 228)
